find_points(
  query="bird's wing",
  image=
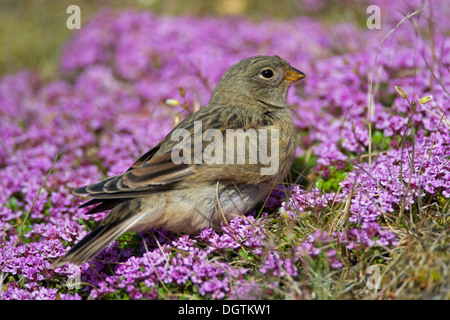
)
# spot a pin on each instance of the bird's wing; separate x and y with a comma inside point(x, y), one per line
point(156, 171)
point(157, 174)
point(145, 157)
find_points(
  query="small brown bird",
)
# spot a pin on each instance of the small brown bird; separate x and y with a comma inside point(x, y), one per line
point(196, 183)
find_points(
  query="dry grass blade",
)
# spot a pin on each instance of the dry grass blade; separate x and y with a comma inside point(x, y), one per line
point(370, 111)
point(20, 233)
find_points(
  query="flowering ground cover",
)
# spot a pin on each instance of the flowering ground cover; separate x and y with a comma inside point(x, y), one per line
point(365, 213)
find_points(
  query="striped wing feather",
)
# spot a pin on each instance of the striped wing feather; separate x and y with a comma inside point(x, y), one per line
point(149, 174)
point(157, 174)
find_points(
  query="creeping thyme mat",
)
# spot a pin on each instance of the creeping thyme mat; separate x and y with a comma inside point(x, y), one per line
point(125, 78)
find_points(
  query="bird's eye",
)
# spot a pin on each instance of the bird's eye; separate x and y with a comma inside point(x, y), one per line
point(267, 73)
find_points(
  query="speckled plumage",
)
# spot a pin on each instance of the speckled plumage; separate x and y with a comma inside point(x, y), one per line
point(157, 193)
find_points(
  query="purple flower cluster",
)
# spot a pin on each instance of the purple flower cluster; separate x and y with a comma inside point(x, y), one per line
point(181, 262)
point(108, 106)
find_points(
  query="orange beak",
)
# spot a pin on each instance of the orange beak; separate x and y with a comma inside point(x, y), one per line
point(294, 75)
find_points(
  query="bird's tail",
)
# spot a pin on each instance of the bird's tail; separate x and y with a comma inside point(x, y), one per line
point(96, 241)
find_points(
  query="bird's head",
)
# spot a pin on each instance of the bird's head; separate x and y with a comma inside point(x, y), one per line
point(262, 78)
